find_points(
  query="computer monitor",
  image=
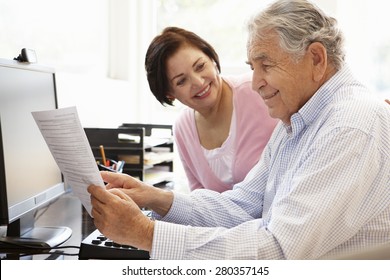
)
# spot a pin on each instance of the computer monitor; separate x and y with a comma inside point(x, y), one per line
point(29, 175)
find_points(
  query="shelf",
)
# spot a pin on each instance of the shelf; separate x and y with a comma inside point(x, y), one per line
point(150, 158)
point(149, 141)
point(154, 177)
point(143, 147)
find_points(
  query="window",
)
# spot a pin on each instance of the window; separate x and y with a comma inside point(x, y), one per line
point(220, 22)
point(367, 42)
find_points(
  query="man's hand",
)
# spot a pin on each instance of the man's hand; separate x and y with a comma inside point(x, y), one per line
point(144, 195)
point(120, 219)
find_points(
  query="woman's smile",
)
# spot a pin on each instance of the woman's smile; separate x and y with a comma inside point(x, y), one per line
point(205, 92)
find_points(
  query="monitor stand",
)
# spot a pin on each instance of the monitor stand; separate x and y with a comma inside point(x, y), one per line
point(22, 234)
point(39, 237)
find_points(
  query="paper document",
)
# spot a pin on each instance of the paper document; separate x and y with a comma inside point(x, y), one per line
point(68, 143)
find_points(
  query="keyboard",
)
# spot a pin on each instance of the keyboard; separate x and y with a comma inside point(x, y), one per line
point(97, 246)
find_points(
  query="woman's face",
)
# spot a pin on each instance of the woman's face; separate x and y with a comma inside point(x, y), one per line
point(194, 79)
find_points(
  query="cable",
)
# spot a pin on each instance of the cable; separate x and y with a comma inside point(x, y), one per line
point(56, 253)
point(27, 250)
point(59, 253)
point(38, 247)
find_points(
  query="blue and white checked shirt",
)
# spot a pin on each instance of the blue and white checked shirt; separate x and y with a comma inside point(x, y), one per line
point(321, 188)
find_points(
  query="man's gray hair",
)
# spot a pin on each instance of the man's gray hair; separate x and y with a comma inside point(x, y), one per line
point(298, 23)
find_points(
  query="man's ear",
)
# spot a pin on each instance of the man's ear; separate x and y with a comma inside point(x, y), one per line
point(319, 58)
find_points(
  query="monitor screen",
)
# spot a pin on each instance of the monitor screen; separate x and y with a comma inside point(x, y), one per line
point(29, 175)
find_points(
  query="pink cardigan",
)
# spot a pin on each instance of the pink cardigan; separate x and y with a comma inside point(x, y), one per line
point(254, 128)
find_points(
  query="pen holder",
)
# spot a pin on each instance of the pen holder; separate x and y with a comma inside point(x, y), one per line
point(111, 165)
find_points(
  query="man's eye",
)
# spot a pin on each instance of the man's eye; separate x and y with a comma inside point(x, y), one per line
point(266, 67)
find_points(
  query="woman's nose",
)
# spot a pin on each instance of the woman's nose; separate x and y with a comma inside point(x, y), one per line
point(197, 80)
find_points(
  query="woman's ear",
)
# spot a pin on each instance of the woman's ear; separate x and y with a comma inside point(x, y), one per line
point(319, 60)
point(170, 97)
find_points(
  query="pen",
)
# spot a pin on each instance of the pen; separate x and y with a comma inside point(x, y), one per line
point(103, 155)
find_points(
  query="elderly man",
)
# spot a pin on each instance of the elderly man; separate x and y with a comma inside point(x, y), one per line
point(321, 187)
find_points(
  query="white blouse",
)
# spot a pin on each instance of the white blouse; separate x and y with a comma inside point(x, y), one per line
point(221, 159)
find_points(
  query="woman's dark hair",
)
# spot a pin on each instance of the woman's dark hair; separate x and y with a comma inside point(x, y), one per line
point(161, 49)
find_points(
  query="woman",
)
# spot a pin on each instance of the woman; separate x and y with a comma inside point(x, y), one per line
point(222, 132)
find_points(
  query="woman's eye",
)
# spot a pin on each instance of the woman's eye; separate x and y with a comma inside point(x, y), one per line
point(181, 82)
point(200, 66)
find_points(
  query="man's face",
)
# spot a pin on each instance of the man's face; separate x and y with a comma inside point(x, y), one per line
point(284, 83)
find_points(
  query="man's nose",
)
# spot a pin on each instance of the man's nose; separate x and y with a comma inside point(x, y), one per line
point(258, 81)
